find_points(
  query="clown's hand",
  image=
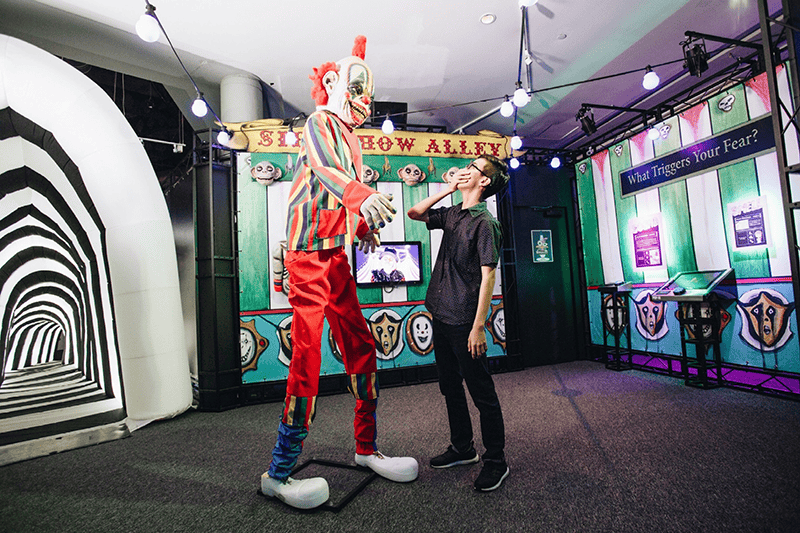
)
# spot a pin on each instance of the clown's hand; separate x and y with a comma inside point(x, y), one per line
point(369, 242)
point(378, 210)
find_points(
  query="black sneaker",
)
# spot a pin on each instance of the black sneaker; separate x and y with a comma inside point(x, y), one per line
point(452, 458)
point(491, 476)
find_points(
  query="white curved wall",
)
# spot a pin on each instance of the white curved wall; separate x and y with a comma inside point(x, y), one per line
point(138, 234)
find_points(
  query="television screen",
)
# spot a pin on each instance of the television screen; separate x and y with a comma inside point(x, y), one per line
point(392, 263)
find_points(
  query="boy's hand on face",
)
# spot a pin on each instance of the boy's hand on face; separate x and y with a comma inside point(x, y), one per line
point(458, 178)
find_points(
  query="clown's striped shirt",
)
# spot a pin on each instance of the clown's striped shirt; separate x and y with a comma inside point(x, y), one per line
point(326, 190)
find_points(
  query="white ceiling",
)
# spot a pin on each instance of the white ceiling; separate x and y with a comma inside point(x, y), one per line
point(432, 54)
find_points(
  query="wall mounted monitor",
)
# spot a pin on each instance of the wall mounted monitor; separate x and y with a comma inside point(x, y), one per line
point(391, 264)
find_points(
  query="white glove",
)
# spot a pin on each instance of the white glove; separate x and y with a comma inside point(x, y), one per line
point(378, 210)
point(369, 242)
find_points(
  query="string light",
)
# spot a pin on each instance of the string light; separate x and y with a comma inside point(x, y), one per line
point(388, 126)
point(147, 26)
point(199, 106)
point(224, 137)
point(650, 80)
point(555, 162)
point(653, 133)
point(521, 97)
point(506, 108)
point(514, 162)
point(516, 142)
point(291, 137)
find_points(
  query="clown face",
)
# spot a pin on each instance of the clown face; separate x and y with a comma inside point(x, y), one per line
point(265, 173)
point(369, 174)
point(411, 174)
point(350, 91)
point(447, 176)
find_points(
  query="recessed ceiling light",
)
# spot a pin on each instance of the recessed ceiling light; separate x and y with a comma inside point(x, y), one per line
point(488, 18)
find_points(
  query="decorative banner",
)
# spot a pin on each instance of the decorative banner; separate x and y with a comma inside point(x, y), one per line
point(269, 135)
point(750, 226)
point(542, 244)
point(743, 142)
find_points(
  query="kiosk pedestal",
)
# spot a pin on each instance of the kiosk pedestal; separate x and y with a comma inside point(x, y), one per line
point(699, 314)
point(615, 316)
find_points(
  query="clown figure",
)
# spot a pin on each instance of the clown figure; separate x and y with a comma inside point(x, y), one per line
point(328, 207)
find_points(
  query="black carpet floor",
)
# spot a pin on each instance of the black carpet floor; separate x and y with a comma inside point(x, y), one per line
point(590, 450)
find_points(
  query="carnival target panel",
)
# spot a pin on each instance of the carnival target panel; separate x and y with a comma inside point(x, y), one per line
point(409, 166)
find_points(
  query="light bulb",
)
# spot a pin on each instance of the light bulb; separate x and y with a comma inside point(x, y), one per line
point(147, 28)
point(653, 134)
point(199, 107)
point(521, 97)
point(506, 109)
point(291, 138)
point(223, 137)
point(650, 80)
point(514, 163)
point(516, 142)
point(555, 162)
point(388, 126)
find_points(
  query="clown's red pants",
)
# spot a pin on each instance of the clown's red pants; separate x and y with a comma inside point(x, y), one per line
point(322, 286)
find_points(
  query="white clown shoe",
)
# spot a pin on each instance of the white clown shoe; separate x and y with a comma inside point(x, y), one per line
point(400, 469)
point(298, 493)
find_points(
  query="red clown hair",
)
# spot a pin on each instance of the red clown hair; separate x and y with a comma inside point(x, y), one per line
point(318, 92)
point(360, 47)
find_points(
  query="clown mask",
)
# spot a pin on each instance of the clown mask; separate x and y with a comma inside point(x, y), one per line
point(350, 91)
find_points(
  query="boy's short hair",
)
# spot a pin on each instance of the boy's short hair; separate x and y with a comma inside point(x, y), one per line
point(498, 174)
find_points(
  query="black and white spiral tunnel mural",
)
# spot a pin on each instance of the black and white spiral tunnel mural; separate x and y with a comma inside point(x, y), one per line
point(89, 298)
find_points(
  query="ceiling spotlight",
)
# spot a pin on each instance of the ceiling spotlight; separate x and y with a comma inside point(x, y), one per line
point(555, 162)
point(521, 97)
point(147, 25)
point(696, 57)
point(527, 3)
point(516, 142)
point(506, 108)
point(388, 126)
point(586, 118)
point(650, 80)
point(514, 162)
point(488, 18)
point(199, 106)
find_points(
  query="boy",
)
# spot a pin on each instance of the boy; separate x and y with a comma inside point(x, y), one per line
point(459, 296)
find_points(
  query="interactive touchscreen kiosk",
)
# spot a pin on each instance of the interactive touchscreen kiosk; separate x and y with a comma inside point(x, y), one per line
point(699, 317)
point(694, 286)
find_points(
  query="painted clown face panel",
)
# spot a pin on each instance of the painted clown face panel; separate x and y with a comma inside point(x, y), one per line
point(419, 333)
point(765, 317)
point(350, 91)
point(650, 316)
point(385, 327)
